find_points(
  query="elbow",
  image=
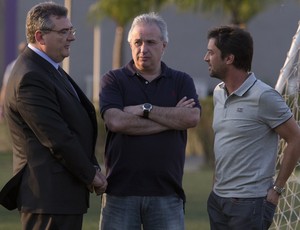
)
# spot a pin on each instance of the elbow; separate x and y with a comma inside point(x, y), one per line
point(194, 118)
point(194, 122)
point(113, 121)
point(113, 125)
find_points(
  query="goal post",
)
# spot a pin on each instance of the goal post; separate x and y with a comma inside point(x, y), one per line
point(287, 216)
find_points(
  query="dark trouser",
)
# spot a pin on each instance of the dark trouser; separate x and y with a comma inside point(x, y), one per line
point(239, 213)
point(32, 221)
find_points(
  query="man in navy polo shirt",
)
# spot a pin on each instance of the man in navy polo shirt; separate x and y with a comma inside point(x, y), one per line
point(147, 108)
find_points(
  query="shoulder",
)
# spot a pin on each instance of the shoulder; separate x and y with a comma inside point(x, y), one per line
point(113, 76)
point(176, 75)
point(272, 105)
point(27, 72)
point(168, 71)
point(262, 86)
point(265, 91)
point(219, 88)
point(120, 72)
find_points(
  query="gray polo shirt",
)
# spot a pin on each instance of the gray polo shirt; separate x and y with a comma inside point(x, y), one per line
point(245, 142)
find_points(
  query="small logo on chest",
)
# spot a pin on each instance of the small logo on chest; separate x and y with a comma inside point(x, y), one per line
point(240, 110)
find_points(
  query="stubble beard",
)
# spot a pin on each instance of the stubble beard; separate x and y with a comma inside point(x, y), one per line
point(213, 74)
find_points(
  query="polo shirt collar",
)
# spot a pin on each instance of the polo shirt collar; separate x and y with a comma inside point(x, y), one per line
point(131, 71)
point(248, 83)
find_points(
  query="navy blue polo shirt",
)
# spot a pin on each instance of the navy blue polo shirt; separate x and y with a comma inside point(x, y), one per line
point(145, 165)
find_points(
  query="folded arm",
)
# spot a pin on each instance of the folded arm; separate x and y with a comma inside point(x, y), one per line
point(181, 117)
point(130, 120)
point(119, 121)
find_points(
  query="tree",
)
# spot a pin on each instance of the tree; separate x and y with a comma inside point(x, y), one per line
point(239, 11)
point(121, 12)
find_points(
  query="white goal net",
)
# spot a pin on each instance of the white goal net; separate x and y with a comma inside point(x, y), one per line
point(287, 216)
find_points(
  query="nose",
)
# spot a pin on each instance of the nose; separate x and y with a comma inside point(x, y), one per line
point(71, 37)
point(143, 47)
point(206, 57)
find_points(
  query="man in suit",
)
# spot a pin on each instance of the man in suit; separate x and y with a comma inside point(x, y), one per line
point(53, 127)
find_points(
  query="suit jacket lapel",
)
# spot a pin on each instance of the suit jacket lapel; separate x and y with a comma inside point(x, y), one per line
point(65, 78)
point(53, 72)
point(48, 67)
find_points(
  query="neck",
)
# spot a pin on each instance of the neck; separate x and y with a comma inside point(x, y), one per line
point(149, 75)
point(235, 80)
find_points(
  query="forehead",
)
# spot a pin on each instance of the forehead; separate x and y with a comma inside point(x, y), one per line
point(146, 31)
point(211, 44)
point(59, 21)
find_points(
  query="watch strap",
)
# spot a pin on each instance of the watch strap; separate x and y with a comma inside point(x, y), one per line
point(146, 113)
point(278, 189)
point(147, 107)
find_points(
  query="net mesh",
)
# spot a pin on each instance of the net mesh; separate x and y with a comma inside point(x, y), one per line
point(287, 216)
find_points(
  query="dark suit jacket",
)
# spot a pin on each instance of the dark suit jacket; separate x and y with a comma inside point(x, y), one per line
point(54, 133)
point(10, 191)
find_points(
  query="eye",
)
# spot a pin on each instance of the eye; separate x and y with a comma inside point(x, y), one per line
point(138, 43)
point(64, 31)
point(210, 52)
point(151, 42)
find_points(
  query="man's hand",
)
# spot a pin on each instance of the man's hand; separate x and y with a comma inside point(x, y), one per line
point(138, 111)
point(273, 196)
point(99, 183)
point(184, 102)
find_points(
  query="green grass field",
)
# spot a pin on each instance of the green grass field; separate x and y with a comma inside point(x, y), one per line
point(197, 185)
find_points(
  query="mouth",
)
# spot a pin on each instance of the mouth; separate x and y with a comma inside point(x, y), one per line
point(67, 46)
point(143, 58)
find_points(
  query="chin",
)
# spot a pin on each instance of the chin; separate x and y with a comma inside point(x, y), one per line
point(213, 75)
point(67, 54)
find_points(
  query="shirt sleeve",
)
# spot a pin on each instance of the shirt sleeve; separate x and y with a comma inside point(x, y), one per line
point(189, 90)
point(110, 94)
point(273, 109)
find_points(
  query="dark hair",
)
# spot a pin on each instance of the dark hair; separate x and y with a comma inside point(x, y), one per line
point(38, 18)
point(236, 41)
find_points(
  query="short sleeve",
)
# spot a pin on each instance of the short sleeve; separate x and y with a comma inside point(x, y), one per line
point(273, 110)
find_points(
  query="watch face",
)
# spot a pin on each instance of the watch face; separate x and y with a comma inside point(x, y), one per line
point(147, 106)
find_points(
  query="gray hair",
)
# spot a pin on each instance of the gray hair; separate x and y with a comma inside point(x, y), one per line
point(38, 18)
point(150, 18)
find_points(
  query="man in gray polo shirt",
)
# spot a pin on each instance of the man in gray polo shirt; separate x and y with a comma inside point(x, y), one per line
point(249, 117)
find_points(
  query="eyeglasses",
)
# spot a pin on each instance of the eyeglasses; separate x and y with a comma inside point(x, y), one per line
point(63, 32)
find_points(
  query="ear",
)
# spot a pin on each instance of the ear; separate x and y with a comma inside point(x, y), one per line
point(39, 37)
point(229, 59)
point(165, 45)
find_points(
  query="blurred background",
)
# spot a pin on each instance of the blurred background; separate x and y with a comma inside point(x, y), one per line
point(271, 22)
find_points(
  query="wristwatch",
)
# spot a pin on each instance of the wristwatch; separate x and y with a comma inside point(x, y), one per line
point(278, 189)
point(147, 107)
